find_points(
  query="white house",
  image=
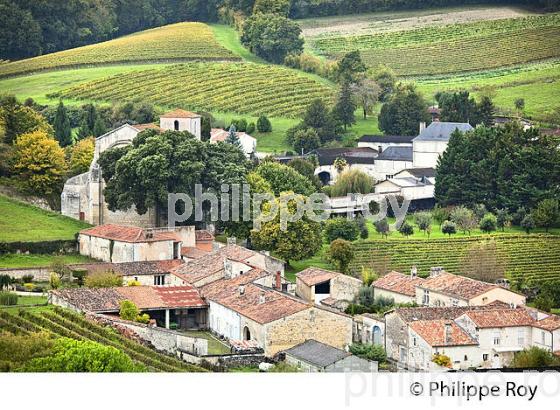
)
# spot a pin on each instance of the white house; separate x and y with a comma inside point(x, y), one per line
point(248, 143)
point(382, 142)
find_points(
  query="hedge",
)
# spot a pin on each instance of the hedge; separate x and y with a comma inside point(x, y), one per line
point(40, 247)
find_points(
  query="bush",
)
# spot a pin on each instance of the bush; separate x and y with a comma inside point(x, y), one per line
point(41, 247)
point(263, 124)
point(361, 223)
point(128, 310)
point(107, 279)
point(442, 360)
point(54, 280)
point(423, 220)
point(341, 253)
point(528, 223)
point(382, 227)
point(8, 299)
point(143, 318)
point(27, 278)
point(449, 228)
point(5, 281)
point(534, 357)
point(341, 228)
point(369, 352)
point(29, 287)
point(79, 275)
point(488, 223)
point(406, 229)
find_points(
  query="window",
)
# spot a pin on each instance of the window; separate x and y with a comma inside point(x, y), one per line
point(485, 357)
point(521, 337)
point(496, 338)
point(389, 176)
point(466, 358)
point(176, 125)
point(159, 280)
point(543, 337)
point(454, 303)
point(414, 341)
point(426, 297)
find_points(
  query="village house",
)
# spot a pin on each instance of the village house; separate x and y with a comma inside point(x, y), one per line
point(369, 328)
point(149, 273)
point(83, 198)
point(248, 143)
point(382, 142)
point(432, 142)
point(312, 356)
point(397, 286)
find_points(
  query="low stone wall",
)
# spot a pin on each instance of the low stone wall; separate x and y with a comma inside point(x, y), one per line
point(39, 274)
point(223, 361)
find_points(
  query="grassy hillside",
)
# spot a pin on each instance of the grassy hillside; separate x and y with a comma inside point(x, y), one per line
point(22, 222)
point(177, 42)
point(534, 258)
point(242, 88)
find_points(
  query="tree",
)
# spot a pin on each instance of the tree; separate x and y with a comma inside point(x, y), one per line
point(362, 226)
point(59, 267)
point(449, 228)
point(272, 36)
point(18, 119)
point(369, 352)
point(482, 261)
point(386, 79)
point(382, 227)
point(519, 105)
point(350, 66)
point(81, 156)
point(54, 281)
point(544, 302)
point(341, 228)
point(402, 113)
point(341, 253)
point(441, 214)
point(281, 7)
point(345, 106)
point(128, 310)
point(263, 124)
point(367, 93)
point(528, 223)
point(205, 128)
point(232, 137)
point(546, 214)
point(503, 218)
point(301, 240)
point(485, 112)
point(62, 128)
point(320, 118)
point(464, 218)
point(457, 107)
point(423, 220)
point(20, 33)
point(406, 229)
point(77, 356)
point(40, 163)
point(352, 181)
point(283, 178)
point(534, 357)
point(306, 168)
point(106, 279)
point(306, 140)
point(488, 223)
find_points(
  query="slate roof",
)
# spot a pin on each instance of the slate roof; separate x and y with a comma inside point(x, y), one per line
point(145, 297)
point(317, 353)
point(501, 318)
point(131, 234)
point(313, 276)
point(455, 285)
point(327, 156)
point(441, 131)
point(395, 139)
point(398, 283)
point(396, 154)
point(420, 172)
point(434, 333)
point(179, 114)
point(413, 314)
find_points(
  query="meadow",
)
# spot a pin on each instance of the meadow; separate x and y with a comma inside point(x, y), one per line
point(172, 43)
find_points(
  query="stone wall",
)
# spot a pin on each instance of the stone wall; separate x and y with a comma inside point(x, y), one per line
point(344, 287)
point(396, 335)
point(39, 274)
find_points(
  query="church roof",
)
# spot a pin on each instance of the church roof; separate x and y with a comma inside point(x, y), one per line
point(441, 131)
point(179, 114)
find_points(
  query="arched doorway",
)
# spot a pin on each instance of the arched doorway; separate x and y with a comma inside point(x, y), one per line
point(325, 177)
point(246, 333)
point(176, 125)
point(376, 332)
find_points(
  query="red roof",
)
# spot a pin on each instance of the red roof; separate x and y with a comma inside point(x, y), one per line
point(458, 286)
point(192, 252)
point(133, 234)
point(203, 235)
point(434, 333)
point(501, 318)
point(550, 323)
point(179, 114)
point(142, 127)
point(398, 283)
point(314, 276)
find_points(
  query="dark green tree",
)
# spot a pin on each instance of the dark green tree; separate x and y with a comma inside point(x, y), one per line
point(345, 106)
point(62, 128)
point(283, 178)
point(306, 140)
point(341, 228)
point(263, 124)
point(341, 253)
point(547, 214)
point(403, 112)
point(349, 67)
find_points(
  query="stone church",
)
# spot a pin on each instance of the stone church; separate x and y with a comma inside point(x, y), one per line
point(82, 197)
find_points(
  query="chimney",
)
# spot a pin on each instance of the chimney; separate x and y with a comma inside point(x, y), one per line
point(448, 333)
point(241, 290)
point(435, 271)
point(228, 269)
point(232, 241)
point(262, 298)
point(413, 272)
point(422, 126)
point(278, 281)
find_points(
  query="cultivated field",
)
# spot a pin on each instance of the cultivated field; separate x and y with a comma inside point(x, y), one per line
point(241, 88)
point(26, 223)
point(453, 48)
point(177, 42)
point(530, 258)
point(64, 323)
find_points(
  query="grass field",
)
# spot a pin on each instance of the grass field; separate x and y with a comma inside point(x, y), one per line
point(242, 88)
point(22, 222)
point(63, 323)
point(33, 261)
point(176, 42)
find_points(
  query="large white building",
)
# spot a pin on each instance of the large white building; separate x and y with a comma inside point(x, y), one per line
point(82, 197)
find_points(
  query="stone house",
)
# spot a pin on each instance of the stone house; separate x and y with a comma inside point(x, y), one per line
point(369, 329)
point(150, 273)
point(397, 286)
point(82, 197)
point(248, 143)
point(312, 356)
point(325, 287)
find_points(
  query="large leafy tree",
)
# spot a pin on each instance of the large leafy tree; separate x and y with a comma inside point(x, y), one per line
point(81, 156)
point(283, 178)
point(20, 34)
point(272, 36)
point(461, 107)
point(403, 112)
point(350, 66)
point(171, 162)
point(18, 119)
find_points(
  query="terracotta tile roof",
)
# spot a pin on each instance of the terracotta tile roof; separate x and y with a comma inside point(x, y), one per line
point(458, 286)
point(192, 252)
point(132, 234)
point(398, 283)
point(313, 276)
point(501, 318)
point(179, 114)
point(145, 297)
point(132, 268)
point(225, 287)
point(203, 235)
point(551, 323)
point(142, 127)
point(211, 263)
point(218, 134)
point(434, 333)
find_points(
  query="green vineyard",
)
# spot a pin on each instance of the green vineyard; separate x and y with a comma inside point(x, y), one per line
point(173, 43)
point(529, 258)
point(243, 88)
point(64, 323)
point(454, 48)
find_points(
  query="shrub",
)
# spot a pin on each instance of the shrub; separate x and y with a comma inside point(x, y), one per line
point(534, 357)
point(143, 318)
point(107, 279)
point(54, 280)
point(528, 223)
point(442, 360)
point(368, 276)
point(361, 223)
point(59, 267)
point(29, 287)
point(8, 299)
point(263, 124)
point(365, 296)
point(128, 310)
point(133, 283)
point(27, 278)
point(406, 229)
point(5, 281)
point(341, 253)
point(79, 275)
point(449, 228)
point(544, 302)
point(341, 228)
point(488, 223)
point(369, 352)
point(382, 227)
point(423, 220)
